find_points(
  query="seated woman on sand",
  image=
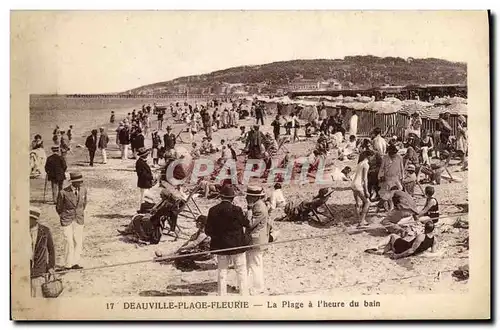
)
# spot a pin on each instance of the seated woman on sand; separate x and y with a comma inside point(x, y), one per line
point(398, 247)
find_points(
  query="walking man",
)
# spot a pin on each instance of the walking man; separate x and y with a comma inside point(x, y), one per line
point(91, 144)
point(55, 167)
point(103, 144)
point(257, 233)
point(43, 257)
point(70, 206)
point(144, 175)
point(225, 223)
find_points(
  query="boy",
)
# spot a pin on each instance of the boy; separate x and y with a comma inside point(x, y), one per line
point(431, 207)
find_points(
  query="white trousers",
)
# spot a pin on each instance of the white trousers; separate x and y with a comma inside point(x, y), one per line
point(104, 156)
point(143, 191)
point(124, 151)
point(255, 266)
point(73, 243)
point(240, 265)
point(425, 156)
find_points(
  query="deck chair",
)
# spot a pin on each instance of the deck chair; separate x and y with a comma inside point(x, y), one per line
point(281, 144)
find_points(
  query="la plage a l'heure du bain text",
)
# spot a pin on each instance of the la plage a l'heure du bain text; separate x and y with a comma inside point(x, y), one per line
point(237, 304)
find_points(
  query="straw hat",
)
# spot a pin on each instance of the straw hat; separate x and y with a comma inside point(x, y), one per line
point(255, 191)
point(148, 198)
point(35, 212)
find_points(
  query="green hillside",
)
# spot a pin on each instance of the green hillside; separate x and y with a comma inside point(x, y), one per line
point(354, 71)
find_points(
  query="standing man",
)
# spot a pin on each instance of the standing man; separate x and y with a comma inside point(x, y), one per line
point(144, 175)
point(43, 257)
point(70, 133)
point(225, 223)
point(91, 144)
point(103, 144)
point(160, 120)
point(55, 167)
point(259, 113)
point(112, 117)
point(70, 206)
point(276, 127)
point(353, 124)
point(124, 137)
point(169, 140)
point(257, 233)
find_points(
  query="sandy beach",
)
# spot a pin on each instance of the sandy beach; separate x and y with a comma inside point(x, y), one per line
point(338, 265)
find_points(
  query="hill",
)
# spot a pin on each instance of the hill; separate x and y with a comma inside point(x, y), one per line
point(352, 72)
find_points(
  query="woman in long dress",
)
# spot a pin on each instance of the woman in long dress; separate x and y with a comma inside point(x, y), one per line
point(37, 156)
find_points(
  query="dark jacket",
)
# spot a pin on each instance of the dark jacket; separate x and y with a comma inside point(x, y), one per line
point(138, 141)
point(55, 167)
point(169, 140)
point(44, 256)
point(123, 136)
point(103, 141)
point(70, 207)
point(144, 174)
point(91, 142)
point(225, 224)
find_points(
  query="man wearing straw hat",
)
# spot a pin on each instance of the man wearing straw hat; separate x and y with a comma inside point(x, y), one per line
point(43, 257)
point(225, 223)
point(70, 206)
point(55, 167)
point(257, 233)
point(144, 175)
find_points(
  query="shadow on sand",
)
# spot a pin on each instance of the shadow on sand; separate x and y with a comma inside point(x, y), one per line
point(191, 289)
point(113, 216)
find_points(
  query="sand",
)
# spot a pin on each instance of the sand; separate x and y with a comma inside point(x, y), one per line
point(319, 266)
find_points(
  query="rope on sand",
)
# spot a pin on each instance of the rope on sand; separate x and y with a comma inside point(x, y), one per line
point(177, 256)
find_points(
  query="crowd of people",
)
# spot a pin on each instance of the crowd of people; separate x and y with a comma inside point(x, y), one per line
point(386, 174)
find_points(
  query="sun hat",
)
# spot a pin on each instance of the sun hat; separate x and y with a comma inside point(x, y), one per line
point(255, 191)
point(35, 212)
point(76, 177)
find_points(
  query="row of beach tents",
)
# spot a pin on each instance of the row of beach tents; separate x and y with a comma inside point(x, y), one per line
point(389, 114)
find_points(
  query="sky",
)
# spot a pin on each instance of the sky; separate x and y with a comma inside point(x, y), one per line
point(103, 52)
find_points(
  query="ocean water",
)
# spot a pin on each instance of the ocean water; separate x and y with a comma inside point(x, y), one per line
point(83, 114)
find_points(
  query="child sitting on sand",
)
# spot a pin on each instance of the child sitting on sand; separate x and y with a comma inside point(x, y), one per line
point(349, 150)
point(431, 207)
